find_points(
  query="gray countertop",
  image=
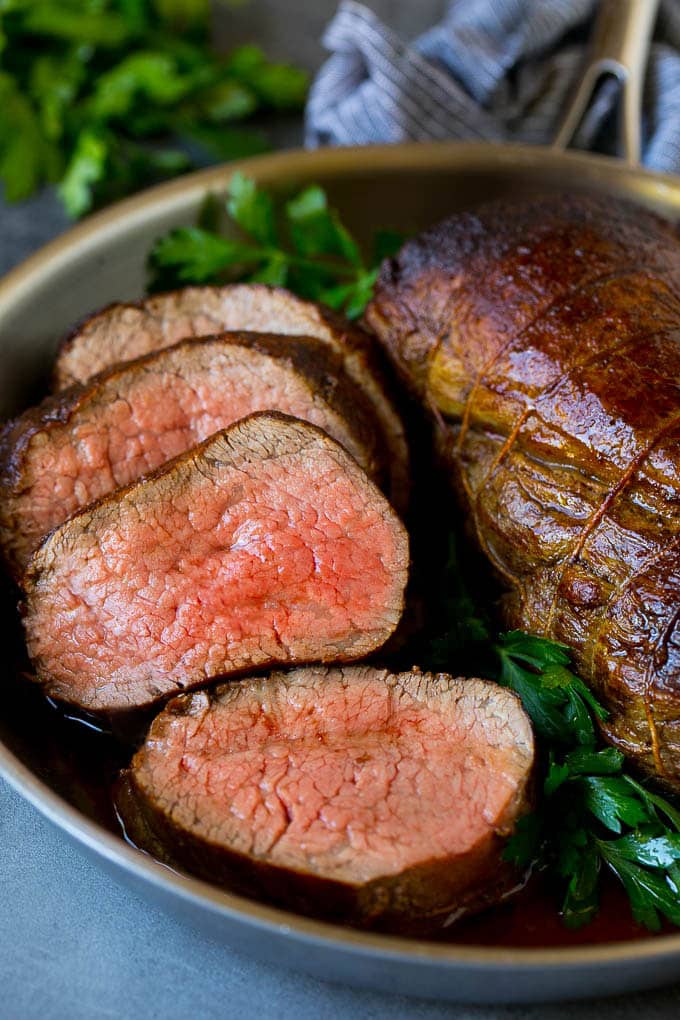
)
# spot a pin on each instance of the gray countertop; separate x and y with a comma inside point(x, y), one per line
point(73, 943)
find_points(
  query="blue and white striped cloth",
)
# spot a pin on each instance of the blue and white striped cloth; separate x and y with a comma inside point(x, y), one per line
point(494, 70)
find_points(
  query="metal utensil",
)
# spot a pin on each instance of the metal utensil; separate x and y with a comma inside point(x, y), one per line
point(620, 47)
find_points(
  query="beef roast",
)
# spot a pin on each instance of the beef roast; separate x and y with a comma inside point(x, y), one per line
point(351, 792)
point(546, 334)
point(266, 544)
point(79, 446)
point(125, 331)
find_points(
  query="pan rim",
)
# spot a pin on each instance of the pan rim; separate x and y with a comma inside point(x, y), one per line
point(277, 921)
point(146, 206)
point(268, 169)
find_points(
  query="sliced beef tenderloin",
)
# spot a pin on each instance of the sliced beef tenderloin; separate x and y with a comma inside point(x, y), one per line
point(355, 793)
point(122, 332)
point(266, 544)
point(79, 446)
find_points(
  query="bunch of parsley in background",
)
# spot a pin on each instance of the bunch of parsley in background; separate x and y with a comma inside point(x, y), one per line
point(299, 243)
point(104, 97)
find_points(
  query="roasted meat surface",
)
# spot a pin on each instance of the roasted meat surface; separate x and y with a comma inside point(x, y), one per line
point(544, 336)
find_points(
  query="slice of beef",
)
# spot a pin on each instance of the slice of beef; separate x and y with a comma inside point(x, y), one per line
point(265, 544)
point(91, 439)
point(355, 793)
point(122, 332)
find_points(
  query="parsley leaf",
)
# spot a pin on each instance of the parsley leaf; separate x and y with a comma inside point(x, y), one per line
point(534, 651)
point(652, 851)
point(524, 846)
point(75, 23)
point(277, 85)
point(84, 171)
point(252, 209)
point(587, 796)
point(26, 156)
point(583, 761)
point(655, 804)
point(649, 891)
point(300, 243)
point(147, 76)
point(315, 229)
point(197, 255)
point(612, 801)
point(110, 96)
point(555, 698)
point(580, 904)
point(544, 704)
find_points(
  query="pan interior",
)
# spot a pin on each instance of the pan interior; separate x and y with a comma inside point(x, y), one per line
point(403, 188)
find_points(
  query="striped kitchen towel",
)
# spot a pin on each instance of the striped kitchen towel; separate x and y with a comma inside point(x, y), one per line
point(492, 70)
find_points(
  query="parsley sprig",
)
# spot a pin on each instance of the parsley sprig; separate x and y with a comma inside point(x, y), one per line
point(561, 707)
point(103, 97)
point(593, 814)
point(300, 243)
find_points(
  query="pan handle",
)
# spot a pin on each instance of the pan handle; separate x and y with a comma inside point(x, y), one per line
point(620, 47)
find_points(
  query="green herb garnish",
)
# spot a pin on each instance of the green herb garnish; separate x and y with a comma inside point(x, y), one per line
point(592, 814)
point(103, 97)
point(559, 703)
point(300, 243)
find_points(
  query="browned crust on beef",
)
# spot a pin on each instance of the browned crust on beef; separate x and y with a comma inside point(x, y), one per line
point(418, 292)
point(363, 360)
point(545, 335)
point(315, 362)
point(417, 899)
point(16, 435)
